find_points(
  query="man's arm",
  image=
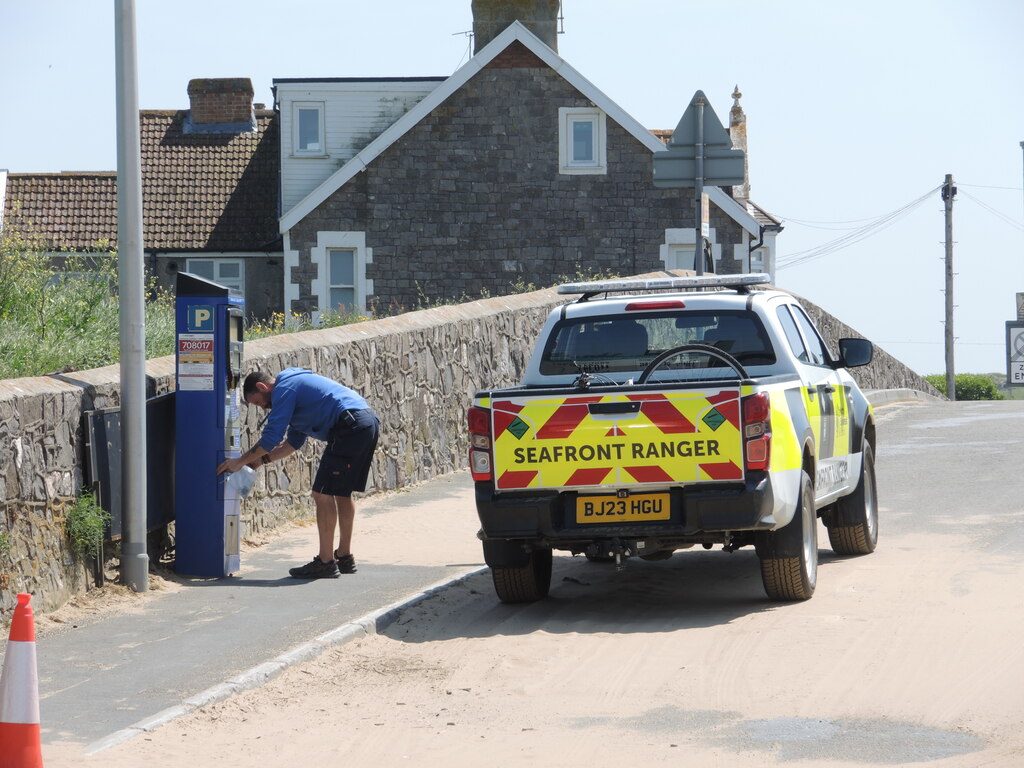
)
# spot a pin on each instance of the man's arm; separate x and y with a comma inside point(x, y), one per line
point(255, 457)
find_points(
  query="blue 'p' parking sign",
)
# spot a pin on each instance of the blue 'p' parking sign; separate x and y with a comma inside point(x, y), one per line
point(200, 317)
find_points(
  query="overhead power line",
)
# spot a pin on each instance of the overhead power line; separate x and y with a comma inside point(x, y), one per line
point(998, 214)
point(855, 235)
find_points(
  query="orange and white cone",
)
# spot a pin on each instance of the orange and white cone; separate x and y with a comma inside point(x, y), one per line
point(20, 744)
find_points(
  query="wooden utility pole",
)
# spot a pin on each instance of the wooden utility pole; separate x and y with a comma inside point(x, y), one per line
point(948, 193)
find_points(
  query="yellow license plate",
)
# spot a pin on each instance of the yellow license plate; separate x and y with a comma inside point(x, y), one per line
point(632, 509)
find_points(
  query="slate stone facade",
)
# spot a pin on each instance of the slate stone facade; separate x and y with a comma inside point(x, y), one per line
point(471, 199)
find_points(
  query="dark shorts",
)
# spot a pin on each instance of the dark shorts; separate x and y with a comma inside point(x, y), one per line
point(345, 464)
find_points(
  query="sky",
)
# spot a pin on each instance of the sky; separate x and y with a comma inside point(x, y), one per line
point(855, 114)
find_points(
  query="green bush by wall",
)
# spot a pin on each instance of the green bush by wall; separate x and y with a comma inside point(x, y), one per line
point(969, 386)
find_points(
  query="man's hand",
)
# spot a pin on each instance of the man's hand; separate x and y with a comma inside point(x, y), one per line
point(230, 465)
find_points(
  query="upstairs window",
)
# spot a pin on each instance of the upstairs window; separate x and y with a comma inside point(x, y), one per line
point(308, 128)
point(581, 141)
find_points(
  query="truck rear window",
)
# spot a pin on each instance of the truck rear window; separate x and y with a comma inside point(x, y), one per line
point(619, 343)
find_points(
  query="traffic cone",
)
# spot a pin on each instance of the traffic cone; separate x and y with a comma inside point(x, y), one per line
point(20, 745)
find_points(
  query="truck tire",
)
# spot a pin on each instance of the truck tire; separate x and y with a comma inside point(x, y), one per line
point(853, 526)
point(793, 577)
point(526, 584)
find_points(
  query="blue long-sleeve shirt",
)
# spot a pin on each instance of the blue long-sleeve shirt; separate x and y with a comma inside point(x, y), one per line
point(305, 404)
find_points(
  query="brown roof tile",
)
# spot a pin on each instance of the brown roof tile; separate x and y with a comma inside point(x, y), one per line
point(213, 192)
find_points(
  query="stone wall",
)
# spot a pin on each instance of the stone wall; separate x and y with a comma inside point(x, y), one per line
point(418, 370)
point(884, 371)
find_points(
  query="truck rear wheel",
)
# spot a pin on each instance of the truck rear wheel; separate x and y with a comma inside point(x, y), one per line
point(525, 584)
point(789, 577)
point(853, 526)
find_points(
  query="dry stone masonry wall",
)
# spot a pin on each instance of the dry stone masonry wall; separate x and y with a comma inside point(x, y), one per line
point(418, 370)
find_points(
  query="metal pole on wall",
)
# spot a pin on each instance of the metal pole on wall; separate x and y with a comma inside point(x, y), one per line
point(698, 192)
point(948, 193)
point(130, 269)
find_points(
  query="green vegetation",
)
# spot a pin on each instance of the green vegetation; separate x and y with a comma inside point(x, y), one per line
point(87, 525)
point(61, 314)
point(969, 386)
point(277, 324)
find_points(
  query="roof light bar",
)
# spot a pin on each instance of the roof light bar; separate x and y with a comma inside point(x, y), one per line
point(666, 283)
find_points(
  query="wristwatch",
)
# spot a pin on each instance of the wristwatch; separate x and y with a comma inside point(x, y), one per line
point(265, 458)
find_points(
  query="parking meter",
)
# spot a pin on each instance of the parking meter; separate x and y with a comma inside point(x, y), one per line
point(208, 327)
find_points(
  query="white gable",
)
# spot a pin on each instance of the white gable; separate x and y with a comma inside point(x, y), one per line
point(400, 127)
point(355, 112)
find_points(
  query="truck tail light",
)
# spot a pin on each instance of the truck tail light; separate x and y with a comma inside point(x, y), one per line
point(757, 431)
point(480, 443)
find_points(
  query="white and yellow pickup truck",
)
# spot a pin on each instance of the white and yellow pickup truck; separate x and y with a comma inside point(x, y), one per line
point(656, 415)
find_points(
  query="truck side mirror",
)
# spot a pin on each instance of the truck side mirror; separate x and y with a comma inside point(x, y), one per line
point(855, 352)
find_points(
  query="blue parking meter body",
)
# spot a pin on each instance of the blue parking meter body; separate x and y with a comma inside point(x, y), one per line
point(208, 327)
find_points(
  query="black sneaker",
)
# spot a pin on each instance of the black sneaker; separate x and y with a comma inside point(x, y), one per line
point(316, 569)
point(346, 563)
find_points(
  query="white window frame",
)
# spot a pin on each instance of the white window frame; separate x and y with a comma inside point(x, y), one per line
point(678, 248)
point(237, 284)
point(320, 255)
point(296, 150)
point(567, 117)
point(331, 285)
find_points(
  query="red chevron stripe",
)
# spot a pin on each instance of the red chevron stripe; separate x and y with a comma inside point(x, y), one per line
point(649, 474)
point(516, 479)
point(566, 418)
point(724, 470)
point(588, 476)
point(667, 418)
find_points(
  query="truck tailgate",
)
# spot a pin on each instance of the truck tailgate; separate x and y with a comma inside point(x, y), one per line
point(635, 440)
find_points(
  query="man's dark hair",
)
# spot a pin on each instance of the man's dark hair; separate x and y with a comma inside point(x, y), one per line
point(252, 380)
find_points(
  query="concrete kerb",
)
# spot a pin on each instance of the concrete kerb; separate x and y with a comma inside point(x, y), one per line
point(371, 624)
point(880, 397)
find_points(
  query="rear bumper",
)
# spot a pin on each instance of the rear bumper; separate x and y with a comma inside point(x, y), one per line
point(697, 514)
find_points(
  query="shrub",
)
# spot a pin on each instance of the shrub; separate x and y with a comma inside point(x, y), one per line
point(62, 313)
point(969, 386)
point(87, 525)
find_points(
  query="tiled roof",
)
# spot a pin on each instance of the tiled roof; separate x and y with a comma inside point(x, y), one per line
point(211, 192)
point(762, 216)
point(66, 211)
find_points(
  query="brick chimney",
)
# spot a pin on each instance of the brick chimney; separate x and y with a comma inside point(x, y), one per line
point(492, 17)
point(220, 105)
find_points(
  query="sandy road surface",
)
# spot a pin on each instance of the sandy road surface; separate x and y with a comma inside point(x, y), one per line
point(910, 656)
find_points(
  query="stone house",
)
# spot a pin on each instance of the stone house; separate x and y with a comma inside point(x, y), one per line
point(513, 170)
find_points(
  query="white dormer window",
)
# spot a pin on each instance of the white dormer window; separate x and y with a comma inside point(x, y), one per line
point(308, 128)
point(581, 141)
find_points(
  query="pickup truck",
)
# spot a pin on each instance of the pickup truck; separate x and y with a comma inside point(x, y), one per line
point(660, 414)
